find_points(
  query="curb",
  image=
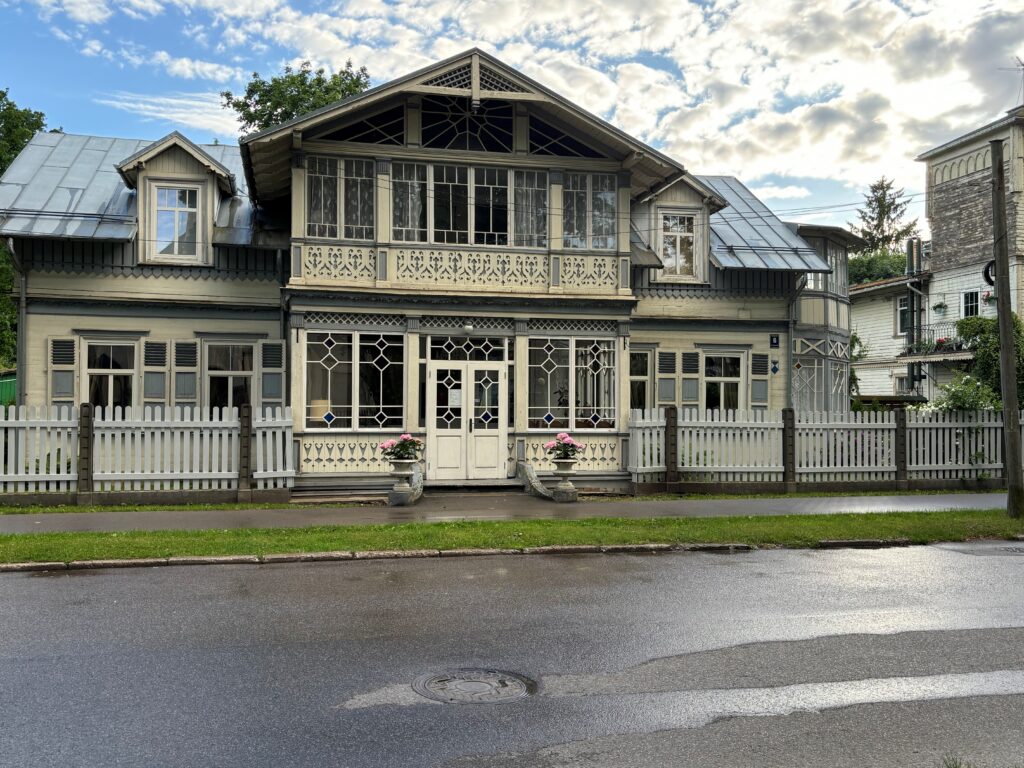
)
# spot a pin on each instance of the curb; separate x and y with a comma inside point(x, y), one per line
point(296, 557)
point(862, 543)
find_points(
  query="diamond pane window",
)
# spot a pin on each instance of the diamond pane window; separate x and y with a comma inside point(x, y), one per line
point(548, 403)
point(381, 381)
point(595, 384)
point(328, 380)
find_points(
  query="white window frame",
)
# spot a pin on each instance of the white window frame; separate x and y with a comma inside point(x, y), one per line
point(204, 247)
point(742, 381)
point(355, 403)
point(571, 413)
point(896, 318)
point(698, 260)
point(589, 244)
point(254, 394)
point(89, 372)
point(977, 303)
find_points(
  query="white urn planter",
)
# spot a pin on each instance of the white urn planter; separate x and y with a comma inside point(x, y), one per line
point(402, 491)
point(565, 491)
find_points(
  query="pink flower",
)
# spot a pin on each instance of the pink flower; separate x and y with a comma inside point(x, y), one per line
point(548, 446)
point(569, 441)
point(563, 436)
point(387, 445)
point(405, 437)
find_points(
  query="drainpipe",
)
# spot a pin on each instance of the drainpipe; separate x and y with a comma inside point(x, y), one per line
point(19, 377)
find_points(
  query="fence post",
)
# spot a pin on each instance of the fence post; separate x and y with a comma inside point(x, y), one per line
point(245, 454)
point(789, 449)
point(671, 445)
point(901, 449)
point(85, 456)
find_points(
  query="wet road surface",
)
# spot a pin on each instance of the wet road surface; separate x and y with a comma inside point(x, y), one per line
point(773, 658)
point(440, 507)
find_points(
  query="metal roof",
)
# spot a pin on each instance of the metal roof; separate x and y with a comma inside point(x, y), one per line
point(66, 185)
point(747, 235)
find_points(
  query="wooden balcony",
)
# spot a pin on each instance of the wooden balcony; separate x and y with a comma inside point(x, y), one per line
point(460, 269)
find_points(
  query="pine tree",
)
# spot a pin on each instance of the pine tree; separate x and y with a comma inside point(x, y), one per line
point(881, 218)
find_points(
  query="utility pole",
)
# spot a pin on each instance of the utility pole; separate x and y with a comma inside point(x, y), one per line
point(1012, 463)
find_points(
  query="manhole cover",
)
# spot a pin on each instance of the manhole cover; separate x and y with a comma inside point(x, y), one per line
point(474, 686)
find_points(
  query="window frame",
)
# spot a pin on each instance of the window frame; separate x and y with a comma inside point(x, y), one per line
point(898, 310)
point(588, 192)
point(646, 378)
point(977, 303)
point(355, 405)
point(88, 371)
point(742, 381)
point(573, 409)
point(698, 262)
point(341, 180)
point(254, 395)
point(204, 247)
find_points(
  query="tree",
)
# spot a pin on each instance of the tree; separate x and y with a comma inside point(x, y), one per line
point(17, 127)
point(981, 336)
point(292, 93)
point(881, 225)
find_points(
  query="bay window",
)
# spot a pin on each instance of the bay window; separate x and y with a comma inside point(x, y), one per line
point(339, 198)
point(572, 383)
point(589, 210)
point(355, 380)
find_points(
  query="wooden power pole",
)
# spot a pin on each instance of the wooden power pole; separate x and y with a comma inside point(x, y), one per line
point(1012, 462)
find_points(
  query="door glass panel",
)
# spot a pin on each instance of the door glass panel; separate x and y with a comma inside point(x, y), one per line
point(448, 403)
point(486, 400)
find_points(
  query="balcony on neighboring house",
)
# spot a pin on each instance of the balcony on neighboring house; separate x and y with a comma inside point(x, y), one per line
point(938, 341)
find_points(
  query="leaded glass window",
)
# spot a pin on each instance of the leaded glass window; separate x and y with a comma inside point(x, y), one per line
point(328, 380)
point(549, 383)
point(409, 189)
point(490, 206)
point(602, 210)
point(595, 384)
point(530, 204)
point(572, 382)
point(381, 381)
point(451, 204)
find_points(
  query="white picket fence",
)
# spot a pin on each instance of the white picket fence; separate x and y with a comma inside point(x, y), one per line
point(844, 447)
point(731, 446)
point(40, 449)
point(955, 444)
point(143, 449)
point(746, 446)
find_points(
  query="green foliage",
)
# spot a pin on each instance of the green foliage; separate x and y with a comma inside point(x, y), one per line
point(17, 127)
point(858, 351)
point(966, 393)
point(292, 93)
point(881, 218)
point(981, 336)
point(868, 266)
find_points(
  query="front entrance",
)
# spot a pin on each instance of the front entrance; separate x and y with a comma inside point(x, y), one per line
point(467, 420)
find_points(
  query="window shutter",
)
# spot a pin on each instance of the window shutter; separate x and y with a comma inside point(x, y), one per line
point(186, 374)
point(186, 354)
point(154, 354)
point(759, 365)
point(666, 362)
point(691, 363)
point(154, 373)
point(271, 375)
point(759, 381)
point(62, 380)
point(62, 352)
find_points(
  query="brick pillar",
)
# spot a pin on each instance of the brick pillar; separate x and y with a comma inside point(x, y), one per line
point(672, 445)
point(789, 449)
point(245, 454)
point(85, 462)
point(901, 449)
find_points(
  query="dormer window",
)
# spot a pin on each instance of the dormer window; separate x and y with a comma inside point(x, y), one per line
point(680, 245)
point(177, 222)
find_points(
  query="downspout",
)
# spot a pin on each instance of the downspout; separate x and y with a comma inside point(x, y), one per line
point(19, 346)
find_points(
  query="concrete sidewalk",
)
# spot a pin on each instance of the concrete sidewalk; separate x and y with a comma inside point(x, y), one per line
point(439, 507)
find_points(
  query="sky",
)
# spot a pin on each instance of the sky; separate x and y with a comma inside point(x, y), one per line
point(806, 102)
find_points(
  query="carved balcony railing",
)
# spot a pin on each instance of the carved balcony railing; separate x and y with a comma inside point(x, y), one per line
point(461, 269)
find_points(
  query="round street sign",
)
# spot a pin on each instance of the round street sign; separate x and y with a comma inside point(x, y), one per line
point(989, 273)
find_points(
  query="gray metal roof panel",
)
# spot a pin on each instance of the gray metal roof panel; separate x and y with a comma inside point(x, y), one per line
point(66, 185)
point(747, 235)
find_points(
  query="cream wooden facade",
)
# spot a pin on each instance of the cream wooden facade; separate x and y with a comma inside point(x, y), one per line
point(460, 254)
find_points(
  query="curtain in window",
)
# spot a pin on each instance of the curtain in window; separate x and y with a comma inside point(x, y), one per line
point(530, 203)
point(574, 210)
point(322, 197)
point(602, 202)
point(359, 188)
point(595, 384)
point(409, 184)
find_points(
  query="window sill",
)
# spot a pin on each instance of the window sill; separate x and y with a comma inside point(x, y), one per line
point(175, 263)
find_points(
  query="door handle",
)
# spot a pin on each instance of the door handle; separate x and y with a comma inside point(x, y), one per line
point(471, 424)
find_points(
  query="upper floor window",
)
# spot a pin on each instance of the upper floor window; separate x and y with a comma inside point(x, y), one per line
point(678, 244)
point(459, 205)
point(971, 305)
point(176, 213)
point(902, 315)
point(589, 210)
point(339, 198)
point(837, 278)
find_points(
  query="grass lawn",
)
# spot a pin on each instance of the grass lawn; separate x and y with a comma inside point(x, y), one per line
point(785, 531)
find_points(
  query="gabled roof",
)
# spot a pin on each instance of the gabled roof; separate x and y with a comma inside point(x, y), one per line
point(129, 167)
point(65, 185)
point(889, 284)
point(747, 235)
point(1013, 116)
point(267, 153)
point(844, 236)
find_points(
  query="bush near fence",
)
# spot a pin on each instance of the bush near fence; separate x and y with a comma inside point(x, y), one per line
point(159, 454)
point(786, 450)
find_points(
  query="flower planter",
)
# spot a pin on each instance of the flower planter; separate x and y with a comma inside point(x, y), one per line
point(401, 470)
point(565, 491)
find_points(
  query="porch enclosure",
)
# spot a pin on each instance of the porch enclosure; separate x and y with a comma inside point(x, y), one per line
point(177, 454)
point(785, 450)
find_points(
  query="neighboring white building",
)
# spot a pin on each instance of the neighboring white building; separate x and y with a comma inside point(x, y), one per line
point(907, 324)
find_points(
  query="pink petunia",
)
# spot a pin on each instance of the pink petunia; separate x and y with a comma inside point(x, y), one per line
point(387, 445)
point(562, 436)
point(549, 445)
point(405, 437)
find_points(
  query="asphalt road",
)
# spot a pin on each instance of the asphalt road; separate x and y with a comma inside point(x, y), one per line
point(773, 658)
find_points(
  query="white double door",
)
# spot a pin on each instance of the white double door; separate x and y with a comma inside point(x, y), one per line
point(467, 420)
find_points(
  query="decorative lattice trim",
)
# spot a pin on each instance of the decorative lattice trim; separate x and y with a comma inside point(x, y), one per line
point(354, 320)
point(460, 77)
point(448, 322)
point(573, 326)
point(492, 81)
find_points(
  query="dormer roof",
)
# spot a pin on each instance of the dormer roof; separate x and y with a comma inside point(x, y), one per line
point(129, 167)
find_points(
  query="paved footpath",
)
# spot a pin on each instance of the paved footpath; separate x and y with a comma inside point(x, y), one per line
point(438, 507)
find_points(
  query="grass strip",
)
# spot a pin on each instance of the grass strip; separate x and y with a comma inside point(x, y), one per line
point(781, 531)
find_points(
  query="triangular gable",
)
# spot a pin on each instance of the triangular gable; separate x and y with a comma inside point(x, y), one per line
point(129, 167)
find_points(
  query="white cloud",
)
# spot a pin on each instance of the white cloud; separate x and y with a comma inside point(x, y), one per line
point(192, 69)
point(191, 110)
point(775, 192)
